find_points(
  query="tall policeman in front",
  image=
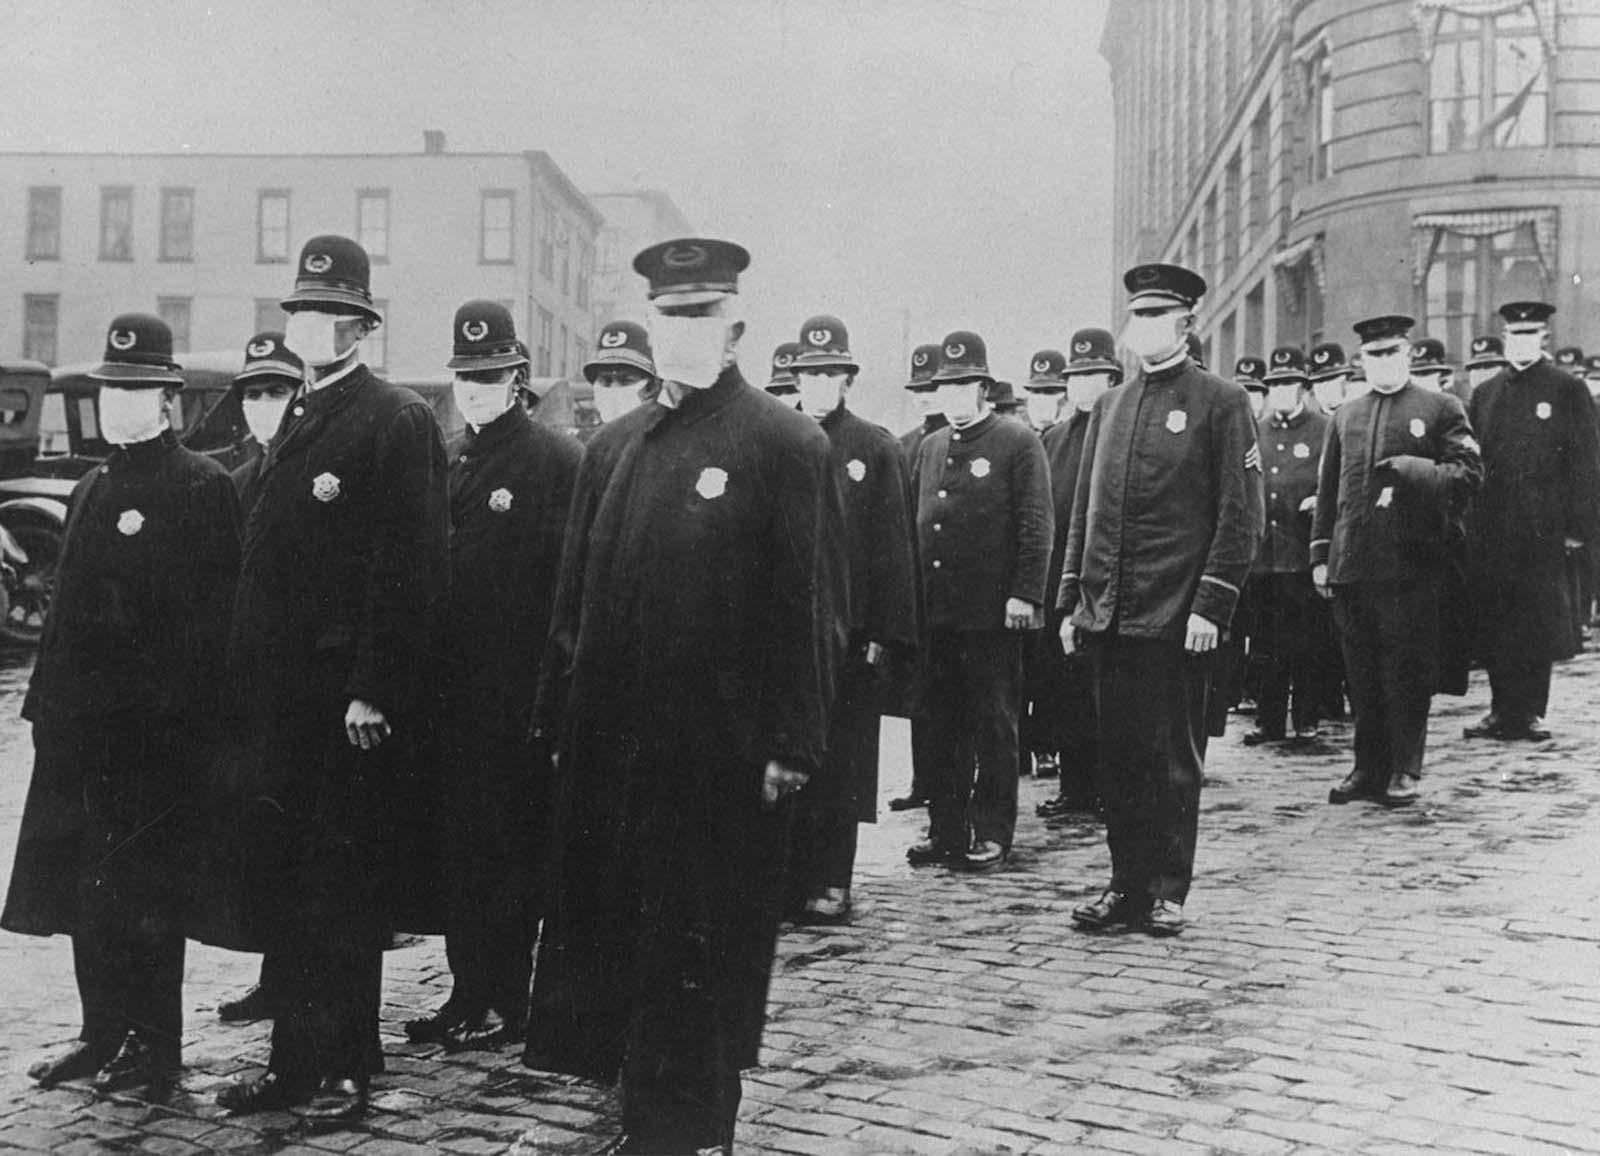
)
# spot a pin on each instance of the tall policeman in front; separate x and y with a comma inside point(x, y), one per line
point(1166, 522)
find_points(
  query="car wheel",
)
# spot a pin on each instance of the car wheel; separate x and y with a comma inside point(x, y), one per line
point(30, 592)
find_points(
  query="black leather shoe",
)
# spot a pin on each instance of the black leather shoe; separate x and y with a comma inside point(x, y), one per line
point(930, 853)
point(74, 1063)
point(136, 1065)
point(256, 1004)
point(1529, 731)
point(1112, 907)
point(1353, 786)
point(1165, 917)
point(985, 856)
point(1257, 738)
point(907, 803)
point(336, 1101)
point(1490, 726)
point(268, 1092)
point(1307, 735)
point(1402, 791)
point(433, 1028)
point(485, 1032)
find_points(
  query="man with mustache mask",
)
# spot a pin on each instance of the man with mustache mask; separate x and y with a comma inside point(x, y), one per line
point(511, 482)
point(346, 565)
point(1288, 612)
point(1397, 463)
point(1166, 520)
point(124, 705)
point(1067, 725)
point(880, 557)
point(698, 623)
point(1539, 505)
point(621, 371)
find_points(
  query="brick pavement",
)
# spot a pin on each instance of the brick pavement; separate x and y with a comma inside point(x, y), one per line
point(1355, 980)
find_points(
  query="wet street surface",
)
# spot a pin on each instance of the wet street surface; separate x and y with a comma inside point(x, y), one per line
point(1354, 980)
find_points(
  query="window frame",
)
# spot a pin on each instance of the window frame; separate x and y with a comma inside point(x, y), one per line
point(1490, 29)
point(1456, 328)
point(169, 196)
point(262, 197)
point(509, 197)
point(363, 196)
point(110, 194)
point(182, 338)
point(33, 253)
point(54, 301)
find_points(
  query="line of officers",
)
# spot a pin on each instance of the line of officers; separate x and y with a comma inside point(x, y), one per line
point(623, 699)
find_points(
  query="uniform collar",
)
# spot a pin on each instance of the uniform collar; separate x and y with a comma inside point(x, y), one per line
point(1294, 420)
point(507, 425)
point(336, 390)
point(700, 403)
point(833, 417)
point(977, 429)
point(142, 453)
point(1168, 369)
point(334, 378)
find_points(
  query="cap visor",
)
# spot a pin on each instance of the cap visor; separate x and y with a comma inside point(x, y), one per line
point(123, 374)
point(682, 297)
point(825, 361)
point(1286, 378)
point(271, 369)
point(627, 358)
point(494, 361)
point(336, 301)
point(963, 377)
point(1097, 365)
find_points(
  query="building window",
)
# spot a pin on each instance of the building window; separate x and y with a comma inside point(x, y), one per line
point(269, 315)
point(272, 227)
point(564, 244)
point(116, 223)
point(1254, 339)
point(375, 346)
point(1228, 203)
point(1227, 346)
point(177, 224)
point(495, 228)
point(175, 311)
point(547, 241)
point(585, 273)
point(541, 353)
point(41, 321)
point(1471, 263)
point(1260, 135)
point(44, 223)
point(372, 223)
point(1488, 84)
point(1319, 112)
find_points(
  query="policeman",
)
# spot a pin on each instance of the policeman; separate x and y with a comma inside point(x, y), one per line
point(1395, 464)
point(1249, 373)
point(1329, 373)
point(924, 364)
point(511, 483)
point(1043, 398)
point(1289, 624)
point(1570, 358)
point(984, 528)
point(697, 628)
point(622, 371)
point(1591, 377)
point(1166, 521)
point(1488, 358)
point(123, 702)
point(1540, 489)
point(881, 562)
point(1233, 676)
point(346, 557)
point(1429, 366)
point(1065, 701)
point(782, 381)
point(271, 376)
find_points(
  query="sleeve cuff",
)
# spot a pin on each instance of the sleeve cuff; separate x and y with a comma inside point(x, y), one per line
point(1215, 599)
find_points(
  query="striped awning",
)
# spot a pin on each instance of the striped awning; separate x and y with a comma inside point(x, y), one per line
point(1428, 227)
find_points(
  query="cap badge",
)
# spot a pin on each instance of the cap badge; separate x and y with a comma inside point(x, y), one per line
point(1177, 421)
point(783, 360)
point(474, 330)
point(955, 352)
point(318, 263)
point(1479, 345)
point(1041, 366)
point(856, 468)
point(819, 336)
point(613, 338)
point(1281, 357)
point(1320, 356)
point(325, 487)
point(980, 467)
point(1417, 428)
point(1149, 275)
point(712, 483)
point(1542, 411)
point(919, 359)
point(684, 256)
point(130, 523)
point(123, 339)
point(500, 500)
point(259, 348)
point(1080, 347)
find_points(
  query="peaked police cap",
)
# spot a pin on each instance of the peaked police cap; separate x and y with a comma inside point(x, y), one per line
point(1045, 370)
point(1288, 364)
point(621, 343)
point(1390, 325)
point(1152, 285)
point(1327, 360)
point(783, 379)
point(485, 337)
point(333, 274)
point(1526, 312)
point(924, 364)
point(692, 265)
point(824, 344)
point(138, 353)
point(266, 357)
point(962, 357)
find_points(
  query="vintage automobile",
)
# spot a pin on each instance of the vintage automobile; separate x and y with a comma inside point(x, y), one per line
point(30, 516)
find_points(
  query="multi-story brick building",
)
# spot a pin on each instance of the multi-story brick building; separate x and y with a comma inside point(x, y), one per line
point(633, 221)
point(1324, 160)
point(209, 242)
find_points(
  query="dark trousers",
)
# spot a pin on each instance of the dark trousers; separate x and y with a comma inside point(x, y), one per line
point(923, 753)
point(973, 695)
point(1288, 628)
point(1389, 632)
point(1151, 699)
point(826, 812)
point(1065, 723)
point(1520, 691)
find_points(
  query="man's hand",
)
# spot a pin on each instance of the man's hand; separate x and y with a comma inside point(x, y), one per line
point(1069, 637)
point(1309, 506)
point(1574, 543)
point(874, 654)
point(1319, 579)
point(1020, 614)
point(364, 725)
point(1202, 635)
point(779, 783)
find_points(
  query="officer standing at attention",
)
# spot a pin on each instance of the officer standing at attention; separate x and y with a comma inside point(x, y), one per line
point(881, 561)
point(1328, 373)
point(1249, 374)
point(1397, 462)
point(1043, 397)
point(1165, 524)
point(1288, 626)
point(1065, 702)
point(622, 371)
point(1231, 670)
point(1541, 488)
point(984, 527)
point(1488, 358)
point(781, 382)
point(511, 483)
point(122, 700)
point(1429, 367)
point(272, 375)
point(346, 565)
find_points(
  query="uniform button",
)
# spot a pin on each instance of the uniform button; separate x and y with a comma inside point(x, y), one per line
point(949, 461)
point(1280, 445)
point(1274, 469)
point(1274, 497)
point(938, 525)
point(298, 410)
point(944, 493)
point(955, 437)
point(936, 563)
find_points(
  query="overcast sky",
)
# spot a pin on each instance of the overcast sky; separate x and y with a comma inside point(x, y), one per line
point(914, 166)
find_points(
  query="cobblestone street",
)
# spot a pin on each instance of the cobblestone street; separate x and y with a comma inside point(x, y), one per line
point(1354, 980)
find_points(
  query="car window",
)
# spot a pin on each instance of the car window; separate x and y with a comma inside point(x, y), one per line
point(89, 418)
point(53, 435)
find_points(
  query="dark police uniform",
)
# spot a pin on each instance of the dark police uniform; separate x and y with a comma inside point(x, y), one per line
point(1541, 486)
point(1166, 521)
point(1394, 466)
point(984, 528)
point(698, 623)
point(345, 569)
point(123, 702)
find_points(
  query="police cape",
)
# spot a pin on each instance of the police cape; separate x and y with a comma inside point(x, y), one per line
point(699, 618)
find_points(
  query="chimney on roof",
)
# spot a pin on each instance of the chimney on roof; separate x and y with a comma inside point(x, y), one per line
point(432, 142)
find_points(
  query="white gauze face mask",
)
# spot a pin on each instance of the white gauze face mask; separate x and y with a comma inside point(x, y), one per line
point(263, 415)
point(130, 416)
point(480, 403)
point(1329, 393)
point(1084, 389)
point(1387, 374)
point(959, 403)
point(1153, 338)
point(1258, 403)
point(1283, 398)
point(819, 393)
point(927, 403)
point(311, 335)
point(1478, 376)
point(612, 401)
point(1043, 408)
point(1522, 349)
point(691, 351)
